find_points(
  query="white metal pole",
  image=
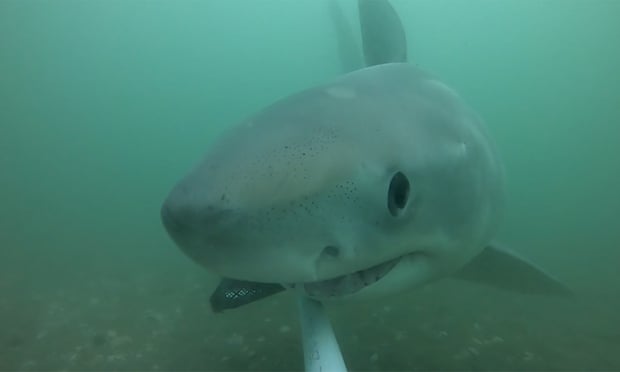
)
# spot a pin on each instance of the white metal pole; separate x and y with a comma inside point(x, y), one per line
point(321, 350)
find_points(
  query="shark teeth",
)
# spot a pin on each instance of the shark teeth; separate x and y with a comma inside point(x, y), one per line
point(350, 283)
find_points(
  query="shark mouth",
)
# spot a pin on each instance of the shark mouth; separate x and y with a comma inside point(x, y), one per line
point(233, 293)
point(350, 283)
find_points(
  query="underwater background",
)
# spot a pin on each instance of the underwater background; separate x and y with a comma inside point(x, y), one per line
point(105, 104)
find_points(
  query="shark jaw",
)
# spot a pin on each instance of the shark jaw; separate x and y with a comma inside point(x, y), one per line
point(350, 284)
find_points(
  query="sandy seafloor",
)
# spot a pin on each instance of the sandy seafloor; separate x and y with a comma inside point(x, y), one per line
point(133, 321)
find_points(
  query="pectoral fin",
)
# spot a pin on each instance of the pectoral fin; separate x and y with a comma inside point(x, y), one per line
point(501, 268)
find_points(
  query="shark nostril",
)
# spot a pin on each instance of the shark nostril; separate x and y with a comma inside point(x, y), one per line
point(331, 251)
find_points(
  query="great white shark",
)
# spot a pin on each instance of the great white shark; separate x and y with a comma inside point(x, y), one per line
point(379, 181)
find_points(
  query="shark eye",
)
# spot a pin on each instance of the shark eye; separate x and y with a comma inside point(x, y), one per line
point(398, 194)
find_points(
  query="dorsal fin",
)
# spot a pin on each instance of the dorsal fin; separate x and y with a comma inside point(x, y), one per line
point(383, 35)
point(348, 47)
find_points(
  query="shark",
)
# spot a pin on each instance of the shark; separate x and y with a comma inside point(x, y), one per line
point(379, 181)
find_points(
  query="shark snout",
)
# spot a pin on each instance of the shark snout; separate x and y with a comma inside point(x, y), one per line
point(171, 219)
point(187, 220)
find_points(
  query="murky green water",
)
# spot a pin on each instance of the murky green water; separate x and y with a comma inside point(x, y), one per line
point(104, 104)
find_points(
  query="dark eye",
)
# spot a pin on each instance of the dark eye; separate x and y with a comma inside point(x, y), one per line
point(398, 194)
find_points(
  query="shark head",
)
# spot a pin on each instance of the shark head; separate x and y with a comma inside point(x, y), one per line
point(342, 186)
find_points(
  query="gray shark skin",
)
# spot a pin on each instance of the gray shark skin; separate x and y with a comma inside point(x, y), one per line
point(380, 181)
point(385, 165)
